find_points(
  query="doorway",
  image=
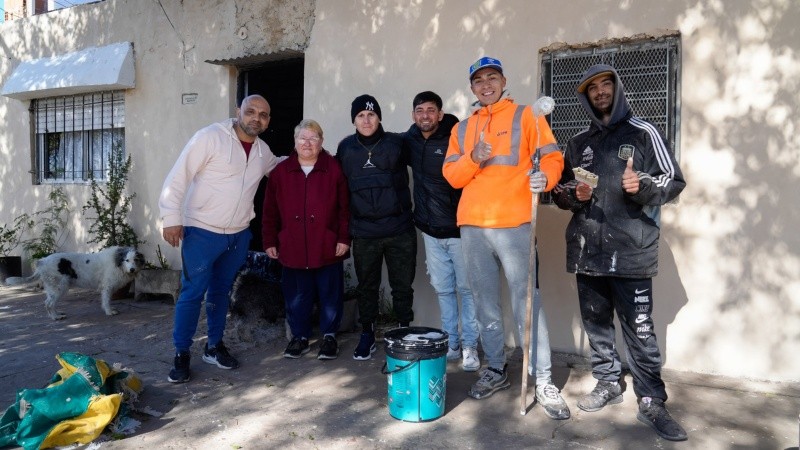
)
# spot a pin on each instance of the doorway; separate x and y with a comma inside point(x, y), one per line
point(281, 83)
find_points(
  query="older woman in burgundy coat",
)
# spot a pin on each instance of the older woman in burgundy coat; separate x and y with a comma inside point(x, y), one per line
point(305, 227)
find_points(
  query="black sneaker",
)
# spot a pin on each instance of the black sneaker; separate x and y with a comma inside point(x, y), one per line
point(366, 346)
point(219, 355)
point(329, 348)
point(180, 373)
point(604, 393)
point(297, 347)
point(653, 412)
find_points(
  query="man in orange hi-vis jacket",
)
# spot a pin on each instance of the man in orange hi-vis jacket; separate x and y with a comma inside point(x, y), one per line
point(490, 157)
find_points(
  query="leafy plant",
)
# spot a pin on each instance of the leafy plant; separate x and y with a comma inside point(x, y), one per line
point(10, 234)
point(52, 226)
point(350, 284)
point(162, 261)
point(386, 312)
point(111, 205)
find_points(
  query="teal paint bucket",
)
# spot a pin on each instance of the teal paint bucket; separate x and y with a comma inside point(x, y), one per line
point(416, 372)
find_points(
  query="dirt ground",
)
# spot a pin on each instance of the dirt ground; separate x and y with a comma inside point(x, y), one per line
point(272, 402)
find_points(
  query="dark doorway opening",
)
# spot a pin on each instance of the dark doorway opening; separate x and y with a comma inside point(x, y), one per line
point(281, 83)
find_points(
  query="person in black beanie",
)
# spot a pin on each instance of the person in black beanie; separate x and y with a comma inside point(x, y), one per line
point(381, 221)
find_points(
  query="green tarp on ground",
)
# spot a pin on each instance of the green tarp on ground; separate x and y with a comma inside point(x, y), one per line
point(80, 401)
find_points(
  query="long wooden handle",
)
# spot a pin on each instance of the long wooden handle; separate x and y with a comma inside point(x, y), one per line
point(526, 346)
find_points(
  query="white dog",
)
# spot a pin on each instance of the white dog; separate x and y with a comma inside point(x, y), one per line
point(106, 271)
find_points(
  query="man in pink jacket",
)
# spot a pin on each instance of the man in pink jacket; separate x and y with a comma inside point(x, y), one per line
point(207, 202)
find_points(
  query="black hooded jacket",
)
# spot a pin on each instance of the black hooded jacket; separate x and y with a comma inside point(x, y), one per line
point(615, 233)
point(435, 201)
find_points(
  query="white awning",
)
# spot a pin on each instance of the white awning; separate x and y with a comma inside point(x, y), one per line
point(90, 70)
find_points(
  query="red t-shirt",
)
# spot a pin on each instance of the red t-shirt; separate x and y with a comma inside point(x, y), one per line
point(247, 146)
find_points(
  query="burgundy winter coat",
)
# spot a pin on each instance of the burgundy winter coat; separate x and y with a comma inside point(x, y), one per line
point(305, 217)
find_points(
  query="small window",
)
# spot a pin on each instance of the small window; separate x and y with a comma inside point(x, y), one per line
point(650, 72)
point(75, 135)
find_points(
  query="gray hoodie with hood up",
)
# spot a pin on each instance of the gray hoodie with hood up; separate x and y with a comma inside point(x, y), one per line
point(616, 233)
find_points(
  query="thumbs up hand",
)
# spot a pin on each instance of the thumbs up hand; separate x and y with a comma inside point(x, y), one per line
point(630, 179)
point(481, 152)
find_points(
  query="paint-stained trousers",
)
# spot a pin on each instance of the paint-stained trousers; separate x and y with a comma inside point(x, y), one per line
point(486, 251)
point(632, 299)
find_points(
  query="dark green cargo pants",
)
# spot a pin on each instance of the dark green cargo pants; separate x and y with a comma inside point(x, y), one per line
point(400, 254)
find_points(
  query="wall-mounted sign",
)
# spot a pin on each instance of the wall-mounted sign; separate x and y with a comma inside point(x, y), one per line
point(189, 99)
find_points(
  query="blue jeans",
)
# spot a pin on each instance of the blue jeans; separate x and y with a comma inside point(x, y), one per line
point(302, 286)
point(448, 274)
point(210, 264)
point(486, 251)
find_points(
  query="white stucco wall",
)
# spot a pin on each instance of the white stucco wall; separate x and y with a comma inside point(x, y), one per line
point(726, 297)
point(171, 47)
point(157, 124)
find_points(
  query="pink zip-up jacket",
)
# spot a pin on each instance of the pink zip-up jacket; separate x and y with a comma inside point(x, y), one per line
point(212, 184)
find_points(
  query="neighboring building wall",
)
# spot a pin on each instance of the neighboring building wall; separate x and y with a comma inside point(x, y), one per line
point(726, 297)
point(14, 9)
point(17, 9)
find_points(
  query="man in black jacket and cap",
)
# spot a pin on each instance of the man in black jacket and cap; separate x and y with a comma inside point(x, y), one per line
point(623, 172)
point(435, 207)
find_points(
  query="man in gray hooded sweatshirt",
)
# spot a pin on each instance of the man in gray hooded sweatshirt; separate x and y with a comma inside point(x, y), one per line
point(612, 241)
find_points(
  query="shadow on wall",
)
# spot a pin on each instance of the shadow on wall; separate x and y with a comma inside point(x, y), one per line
point(669, 295)
point(743, 195)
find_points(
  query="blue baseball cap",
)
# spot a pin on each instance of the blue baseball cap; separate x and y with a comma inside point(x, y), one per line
point(484, 63)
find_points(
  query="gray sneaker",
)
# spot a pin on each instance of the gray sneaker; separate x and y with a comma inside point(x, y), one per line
point(553, 404)
point(491, 381)
point(605, 393)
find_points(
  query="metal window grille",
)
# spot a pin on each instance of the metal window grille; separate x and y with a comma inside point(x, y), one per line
point(75, 134)
point(649, 70)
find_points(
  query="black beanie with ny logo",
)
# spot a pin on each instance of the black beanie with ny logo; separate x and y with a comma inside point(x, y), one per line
point(364, 102)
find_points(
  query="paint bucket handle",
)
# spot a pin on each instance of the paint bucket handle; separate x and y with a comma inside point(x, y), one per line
point(398, 369)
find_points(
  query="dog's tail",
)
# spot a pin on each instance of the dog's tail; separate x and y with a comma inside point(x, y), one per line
point(20, 281)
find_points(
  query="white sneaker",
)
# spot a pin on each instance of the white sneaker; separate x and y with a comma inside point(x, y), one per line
point(471, 361)
point(453, 353)
point(554, 405)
